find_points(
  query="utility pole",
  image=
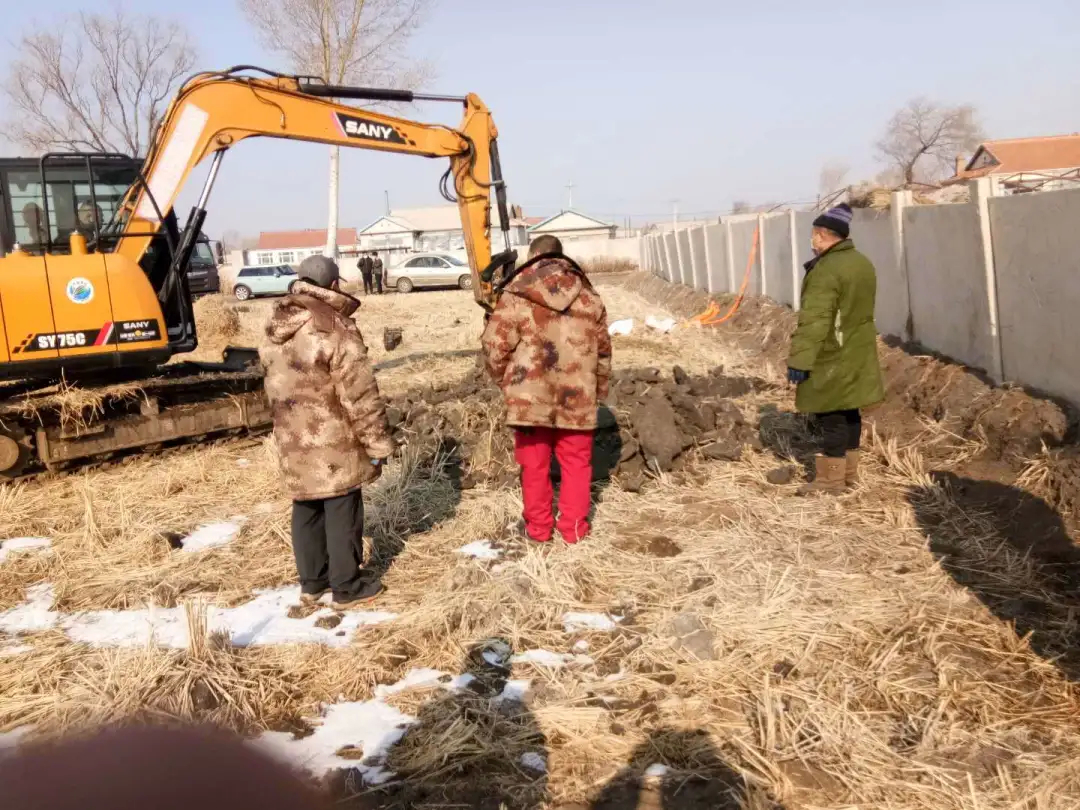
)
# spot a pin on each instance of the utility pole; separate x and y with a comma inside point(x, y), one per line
point(387, 195)
point(570, 196)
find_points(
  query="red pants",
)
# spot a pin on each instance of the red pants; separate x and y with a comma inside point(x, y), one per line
point(573, 449)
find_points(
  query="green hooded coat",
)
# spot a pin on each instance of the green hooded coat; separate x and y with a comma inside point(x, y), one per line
point(836, 340)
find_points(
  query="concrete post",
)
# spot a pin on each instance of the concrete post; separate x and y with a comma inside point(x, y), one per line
point(796, 265)
point(900, 201)
point(981, 191)
point(761, 254)
point(730, 257)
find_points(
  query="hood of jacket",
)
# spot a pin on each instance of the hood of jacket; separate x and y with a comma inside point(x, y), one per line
point(325, 309)
point(551, 281)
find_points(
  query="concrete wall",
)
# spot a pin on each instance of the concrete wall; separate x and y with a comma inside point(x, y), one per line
point(1036, 240)
point(776, 254)
point(742, 234)
point(686, 268)
point(697, 257)
point(716, 250)
point(874, 235)
point(601, 248)
point(674, 273)
point(947, 282)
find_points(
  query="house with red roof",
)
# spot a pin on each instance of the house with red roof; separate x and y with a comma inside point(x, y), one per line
point(1025, 164)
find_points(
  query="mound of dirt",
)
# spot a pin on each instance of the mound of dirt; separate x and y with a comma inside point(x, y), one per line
point(652, 422)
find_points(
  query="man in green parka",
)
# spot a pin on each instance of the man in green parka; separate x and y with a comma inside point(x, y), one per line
point(833, 358)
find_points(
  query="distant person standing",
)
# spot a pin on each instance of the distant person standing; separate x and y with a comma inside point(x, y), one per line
point(547, 347)
point(366, 267)
point(330, 428)
point(380, 274)
point(833, 359)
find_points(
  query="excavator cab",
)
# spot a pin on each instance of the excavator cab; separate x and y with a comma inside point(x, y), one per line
point(81, 309)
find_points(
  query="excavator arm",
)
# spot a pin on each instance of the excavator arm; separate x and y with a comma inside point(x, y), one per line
point(213, 112)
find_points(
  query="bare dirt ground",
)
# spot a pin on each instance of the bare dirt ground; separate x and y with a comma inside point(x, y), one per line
point(908, 646)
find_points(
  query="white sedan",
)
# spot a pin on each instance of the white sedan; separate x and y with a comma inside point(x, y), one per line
point(429, 270)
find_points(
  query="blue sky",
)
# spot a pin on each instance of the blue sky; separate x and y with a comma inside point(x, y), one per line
point(639, 104)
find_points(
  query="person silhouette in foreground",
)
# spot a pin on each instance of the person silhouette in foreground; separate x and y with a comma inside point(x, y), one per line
point(151, 768)
point(479, 747)
point(674, 769)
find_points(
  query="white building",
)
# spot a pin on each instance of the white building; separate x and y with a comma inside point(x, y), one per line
point(570, 225)
point(292, 247)
point(435, 229)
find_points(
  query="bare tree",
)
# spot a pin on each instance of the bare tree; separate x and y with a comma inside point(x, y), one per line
point(741, 207)
point(923, 139)
point(833, 175)
point(343, 42)
point(97, 82)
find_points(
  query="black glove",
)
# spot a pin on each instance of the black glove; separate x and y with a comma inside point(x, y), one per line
point(795, 376)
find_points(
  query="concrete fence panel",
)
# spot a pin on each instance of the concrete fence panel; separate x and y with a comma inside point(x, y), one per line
point(672, 258)
point(686, 268)
point(697, 257)
point(776, 249)
point(874, 235)
point(716, 251)
point(1036, 241)
point(947, 281)
point(742, 235)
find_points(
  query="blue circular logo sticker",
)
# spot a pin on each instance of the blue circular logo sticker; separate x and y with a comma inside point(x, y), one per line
point(80, 291)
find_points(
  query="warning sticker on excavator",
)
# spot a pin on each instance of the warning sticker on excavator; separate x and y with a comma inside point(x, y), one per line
point(110, 334)
point(356, 127)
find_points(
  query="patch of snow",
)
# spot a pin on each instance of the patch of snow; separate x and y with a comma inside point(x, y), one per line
point(9, 547)
point(534, 761)
point(581, 647)
point(14, 650)
point(213, 535)
point(243, 462)
point(481, 550)
point(664, 325)
point(656, 771)
point(599, 622)
point(263, 621)
point(514, 691)
point(365, 730)
point(547, 658)
point(623, 327)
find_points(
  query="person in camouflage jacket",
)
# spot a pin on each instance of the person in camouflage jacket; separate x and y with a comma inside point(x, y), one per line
point(547, 346)
point(330, 428)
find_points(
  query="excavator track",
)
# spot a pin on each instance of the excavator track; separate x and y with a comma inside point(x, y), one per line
point(51, 429)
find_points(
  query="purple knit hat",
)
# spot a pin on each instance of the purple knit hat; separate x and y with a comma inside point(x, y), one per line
point(837, 220)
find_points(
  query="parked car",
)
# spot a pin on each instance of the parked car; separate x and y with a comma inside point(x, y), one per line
point(430, 270)
point(271, 280)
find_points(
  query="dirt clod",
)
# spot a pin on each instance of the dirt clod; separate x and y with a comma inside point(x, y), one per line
point(328, 622)
point(781, 476)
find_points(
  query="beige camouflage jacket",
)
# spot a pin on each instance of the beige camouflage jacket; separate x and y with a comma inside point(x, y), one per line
point(329, 420)
point(547, 346)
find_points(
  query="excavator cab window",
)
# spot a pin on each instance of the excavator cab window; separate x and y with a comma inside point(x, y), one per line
point(80, 194)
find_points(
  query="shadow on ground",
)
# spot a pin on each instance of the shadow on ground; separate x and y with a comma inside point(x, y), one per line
point(1013, 551)
point(789, 436)
point(426, 491)
point(405, 359)
point(470, 749)
point(680, 770)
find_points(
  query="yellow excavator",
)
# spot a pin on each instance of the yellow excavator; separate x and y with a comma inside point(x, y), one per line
point(93, 287)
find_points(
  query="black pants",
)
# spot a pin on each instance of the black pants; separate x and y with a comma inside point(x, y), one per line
point(378, 283)
point(367, 283)
point(843, 431)
point(328, 543)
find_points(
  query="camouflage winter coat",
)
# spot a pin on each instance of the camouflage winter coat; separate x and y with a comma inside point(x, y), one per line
point(547, 346)
point(329, 420)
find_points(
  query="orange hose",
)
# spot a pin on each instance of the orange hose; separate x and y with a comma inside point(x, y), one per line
point(708, 317)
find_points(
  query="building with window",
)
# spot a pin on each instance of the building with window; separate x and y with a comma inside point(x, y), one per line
point(292, 247)
point(1025, 164)
point(425, 230)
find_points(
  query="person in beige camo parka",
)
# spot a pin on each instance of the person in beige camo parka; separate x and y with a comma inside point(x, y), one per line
point(330, 428)
point(547, 346)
